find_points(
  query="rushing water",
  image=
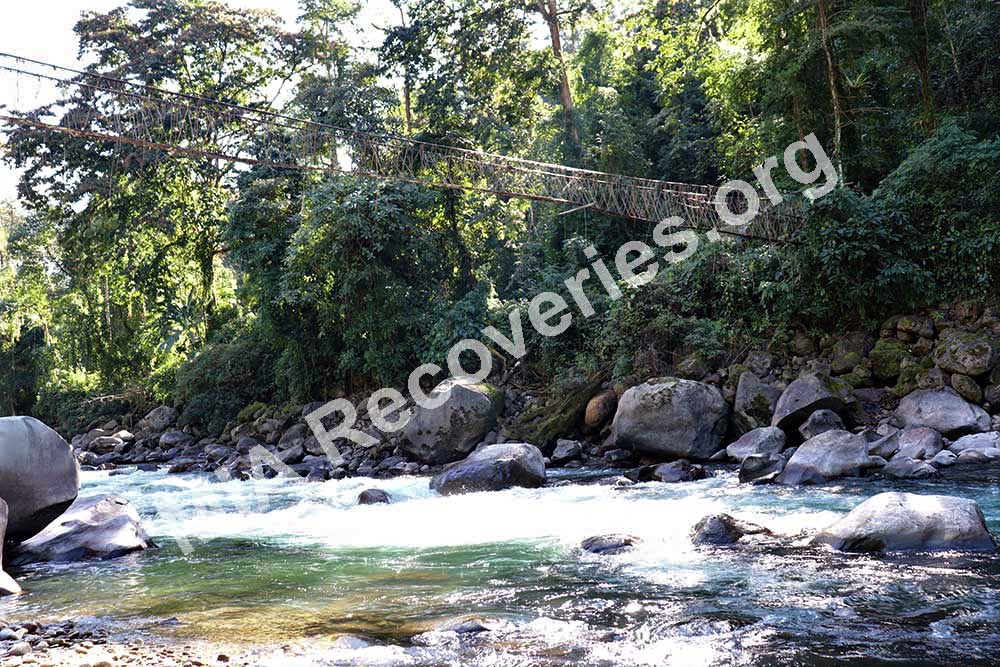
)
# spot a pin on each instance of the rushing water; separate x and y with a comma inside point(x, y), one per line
point(273, 561)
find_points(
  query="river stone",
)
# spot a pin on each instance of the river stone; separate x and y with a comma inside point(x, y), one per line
point(942, 410)
point(493, 468)
point(827, 456)
point(754, 402)
point(95, 527)
point(566, 451)
point(944, 459)
point(761, 468)
point(7, 584)
point(672, 418)
point(919, 442)
point(910, 522)
point(964, 352)
point(884, 446)
point(608, 545)
point(600, 409)
point(159, 419)
point(977, 441)
point(820, 421)
point(806, 395)
point(176, 439)
point(450, 431)
point(903, 467)
point(723, 529)
point(967, 388)
point(678, 471)
point(373, 497)
point(39, 477)
point(766, 440)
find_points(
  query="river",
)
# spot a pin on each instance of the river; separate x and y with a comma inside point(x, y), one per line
point(275, 561)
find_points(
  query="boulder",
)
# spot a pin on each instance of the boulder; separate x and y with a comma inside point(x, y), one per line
point(600, 409)
point(373, 497)
point(806, 395)
point(886, 359)
point(566, 451)
point(723, 529)
point(7, 584)
point(39, 476)
point(903, 467)
point(761, 468)
point(944, 459)
point(820, 421)
point(919, 442)
point(678, 471)
point(159, 419)
point(493, 468)
point(828, 456)
point(754, 403)
point(918, 325)
point(964, 352)
point(449, 431)
point(849, 350)
point(942, 410)
point(672, 418)
point(175, 439)
point(94, 527)
point(910, 522)
point(296, 435)
point(967, 388)
point(766, 440)
point(884, 446)
point(609, 545)
point(978, 441)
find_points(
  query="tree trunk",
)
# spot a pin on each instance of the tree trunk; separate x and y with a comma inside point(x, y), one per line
point(922, 60)
point(550, 12)
point(831, 75)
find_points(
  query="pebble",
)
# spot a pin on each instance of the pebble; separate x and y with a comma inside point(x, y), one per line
point(20, 648)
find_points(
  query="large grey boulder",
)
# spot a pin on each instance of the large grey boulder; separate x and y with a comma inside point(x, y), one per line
point(806, 395)
point(829, 455)
point(820, 421)
point(767, 440)
point(903, 467)
point(762, 468)
point(450, 431)
point(39, 476)
point(95, 527)
point(964, 352)
point(7, 584)
point(910, 522)
point(919, 442)
point(159, 419)
point(493, 468)
point(754, 403)
point(976, 442)
point(942, 410)
point(672, 418)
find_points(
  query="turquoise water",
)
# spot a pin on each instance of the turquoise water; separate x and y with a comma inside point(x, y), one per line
point(272, 561)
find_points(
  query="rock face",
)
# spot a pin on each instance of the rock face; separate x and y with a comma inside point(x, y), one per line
point(493, 468)
point(754, 403)
point(811, 392)
point(722, 529)
point(910, 522)
point(827, 456)
point(672, 418)
point(964, 352)
point(93, 527)
point(942, 410)
point(609, 544)
point(767, 440)
point(39, 477)
point(450, 431)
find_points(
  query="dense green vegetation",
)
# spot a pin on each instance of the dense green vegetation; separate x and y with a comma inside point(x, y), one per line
point(213, 286)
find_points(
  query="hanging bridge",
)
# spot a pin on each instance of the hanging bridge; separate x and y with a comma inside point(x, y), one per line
point(103, 108)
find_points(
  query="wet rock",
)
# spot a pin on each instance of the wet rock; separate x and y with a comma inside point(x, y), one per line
point(600, 410)
point(373, 497)
point(493, 468)
point(671, 417)
point(766, 440)
point(806, 395)
point(723, 529)
point(566, 451)
point(608, 545)
point(820, 421)
point(678, 471)
point(449, 431)
point(93, 527)
point(761, 468)
point(910, 522)
point(39, 477)
point(468, 626)
point(942, 410)
point(159, 419)
point(919, 442)
point(977, 441)
point(964, 352)
point(754, 403)
point(903, 467)
point(827, 456)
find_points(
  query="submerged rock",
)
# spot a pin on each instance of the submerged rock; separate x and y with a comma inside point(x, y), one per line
point(828, 456)
point(942, 410)
point(373, 497)
point(723, 529)
point(609, 544)
point(493, 468)
point(93, 527)
point(910, 522)
point(451, 430)
point(673, 418)
point(39, 477)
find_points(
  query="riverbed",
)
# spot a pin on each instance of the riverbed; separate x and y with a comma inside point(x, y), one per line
point(276, 562)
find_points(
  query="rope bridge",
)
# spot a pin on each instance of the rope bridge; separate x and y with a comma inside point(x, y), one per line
point(105, 108)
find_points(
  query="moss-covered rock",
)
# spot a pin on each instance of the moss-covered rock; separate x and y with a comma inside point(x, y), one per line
point(967, 388)
point(965, 352)
point(886, 357)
